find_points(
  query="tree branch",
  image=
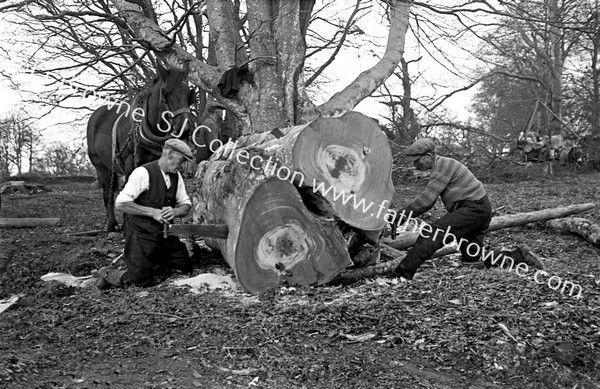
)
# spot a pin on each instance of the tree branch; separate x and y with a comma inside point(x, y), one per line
point(368, 81)
point(338, 47)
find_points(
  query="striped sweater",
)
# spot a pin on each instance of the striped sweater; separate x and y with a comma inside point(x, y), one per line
point(452, 181)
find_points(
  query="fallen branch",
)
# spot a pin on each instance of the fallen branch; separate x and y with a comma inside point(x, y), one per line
point(88, 233)
point(576, 225)
point(408, 239)
point(388, 266)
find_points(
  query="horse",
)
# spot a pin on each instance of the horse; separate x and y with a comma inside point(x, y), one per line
point(122, 136)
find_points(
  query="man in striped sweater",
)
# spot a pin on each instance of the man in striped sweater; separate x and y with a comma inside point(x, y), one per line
point(469, 211)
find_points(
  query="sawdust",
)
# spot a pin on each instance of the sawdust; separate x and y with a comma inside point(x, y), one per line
point(208, 282)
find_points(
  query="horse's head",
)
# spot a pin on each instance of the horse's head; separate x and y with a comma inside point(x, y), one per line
point(174, 98)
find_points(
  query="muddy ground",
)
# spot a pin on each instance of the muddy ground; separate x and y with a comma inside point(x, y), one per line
point(451, 327)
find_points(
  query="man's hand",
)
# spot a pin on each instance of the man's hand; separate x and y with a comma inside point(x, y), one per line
point(158, 215)
point(167, 213)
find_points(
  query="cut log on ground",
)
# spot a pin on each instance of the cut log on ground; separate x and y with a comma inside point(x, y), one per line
point(342, 165)
point(408, 239)
point(272, 236)
point(576, 225)
point(26, 222)
point(388, 266)
point(286, 195)
point(523, 254)
point(88, 233)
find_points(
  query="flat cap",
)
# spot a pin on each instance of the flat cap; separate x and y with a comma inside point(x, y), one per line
point(420, 147)
point(181, 147)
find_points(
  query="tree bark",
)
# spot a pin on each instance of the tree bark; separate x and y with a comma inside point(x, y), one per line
point(408, 239)
point(589, 230)
point(272, 237)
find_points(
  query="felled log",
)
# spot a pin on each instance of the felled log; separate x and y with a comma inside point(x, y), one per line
point(285, 194)
point(388, 266)
point(272, 236)
point(25, 222)
point(341, 165)
point(408, 239)
point(587, 229)
point(88, 233)
point(518, 219)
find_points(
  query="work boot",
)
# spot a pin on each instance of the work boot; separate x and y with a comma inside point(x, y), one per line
point(401, 274)
point(109, 276)
point(523, 254)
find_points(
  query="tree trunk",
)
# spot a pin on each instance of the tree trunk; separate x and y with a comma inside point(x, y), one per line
point(277, 231)
point(595, 69)
point(272, 237)
point(341, 165)
point(408, 239)
point(556, 43)
point(587, 229)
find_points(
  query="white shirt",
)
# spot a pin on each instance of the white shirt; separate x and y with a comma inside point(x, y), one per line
point(139, 181)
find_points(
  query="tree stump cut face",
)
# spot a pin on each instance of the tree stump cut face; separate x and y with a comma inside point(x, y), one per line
point(283, 247)
point(342, 167)
point(347, 160)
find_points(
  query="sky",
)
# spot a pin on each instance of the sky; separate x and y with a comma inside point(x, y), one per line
point(373, 25)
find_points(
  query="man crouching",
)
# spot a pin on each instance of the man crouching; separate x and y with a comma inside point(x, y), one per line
point(153, 195)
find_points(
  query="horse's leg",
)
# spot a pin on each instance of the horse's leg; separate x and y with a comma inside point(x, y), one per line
point(104, 178)
point(113, 225)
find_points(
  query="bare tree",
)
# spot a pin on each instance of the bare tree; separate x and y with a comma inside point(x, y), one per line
point(63, 158)
point(79, 48)
point(592, 51)
point(110, 47)
point(18, 143)
point(522, 56)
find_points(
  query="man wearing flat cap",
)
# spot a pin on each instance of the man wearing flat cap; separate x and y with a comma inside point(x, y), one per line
point(153, 196)
point(469, 211)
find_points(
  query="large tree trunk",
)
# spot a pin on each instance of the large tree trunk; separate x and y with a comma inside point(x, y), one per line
point(341, 165)
point(272, 237)
point(576, 225)
point(285, 199)
point(408, 239)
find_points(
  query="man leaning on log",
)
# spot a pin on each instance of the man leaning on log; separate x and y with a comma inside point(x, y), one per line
point(154, 195)
point(469, 213)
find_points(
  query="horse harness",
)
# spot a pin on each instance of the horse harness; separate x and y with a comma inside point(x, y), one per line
point(136, 135)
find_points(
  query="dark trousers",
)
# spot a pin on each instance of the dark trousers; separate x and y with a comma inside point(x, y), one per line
point(146, 255)
point(467, 221)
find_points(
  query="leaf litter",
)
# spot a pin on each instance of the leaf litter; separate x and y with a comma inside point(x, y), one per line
point(449, 327)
